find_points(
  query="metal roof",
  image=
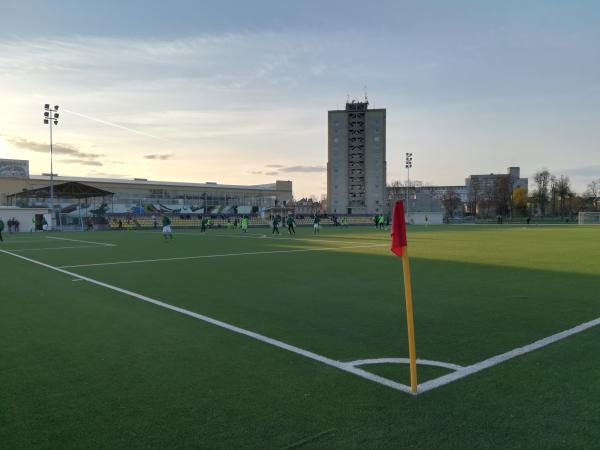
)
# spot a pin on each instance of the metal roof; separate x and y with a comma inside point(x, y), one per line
point(143, 182)
point(70, 189)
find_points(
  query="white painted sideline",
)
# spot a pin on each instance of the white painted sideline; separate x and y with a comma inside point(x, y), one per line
point(494, 360)
point(222, 255)
point(308, 354)
point(80, 240)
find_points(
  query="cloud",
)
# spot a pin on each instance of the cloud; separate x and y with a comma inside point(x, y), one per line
point(304, 169)
point(274, 166)
point(271, 173)
point(59, 149)
point(159, 157)
point(257, 172)
point(94, 173)
point(84, 162)
point(587, 171)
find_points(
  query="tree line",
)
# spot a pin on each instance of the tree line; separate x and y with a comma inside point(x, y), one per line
point(554, 196)
point(551, 195)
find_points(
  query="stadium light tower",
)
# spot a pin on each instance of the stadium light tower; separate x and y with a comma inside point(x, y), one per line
point(408, 165)
point(51, 116)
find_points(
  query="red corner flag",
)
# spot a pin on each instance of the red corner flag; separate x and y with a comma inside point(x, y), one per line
point(398, 229)
point(400, 248)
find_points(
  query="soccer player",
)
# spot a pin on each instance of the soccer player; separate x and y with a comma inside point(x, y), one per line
point(167, 228)
point(245, 224)
point(381, 222)
point(316, 224)
point(275, 225)
point(1, 229)
point(291, 223)
point(203, 225)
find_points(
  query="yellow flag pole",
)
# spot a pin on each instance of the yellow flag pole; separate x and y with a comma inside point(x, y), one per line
point(410, 320)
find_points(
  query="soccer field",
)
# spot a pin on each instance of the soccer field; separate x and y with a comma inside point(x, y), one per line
point(224, 339)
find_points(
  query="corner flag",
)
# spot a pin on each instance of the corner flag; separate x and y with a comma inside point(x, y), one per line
point(400, 248)
point(398, 229)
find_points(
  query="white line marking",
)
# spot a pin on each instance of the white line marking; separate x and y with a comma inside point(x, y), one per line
point(308, 354)
point(51, 248)
point(342, 240)
point(222, 255)
point(474, 368)
point(347, 367)
point(80, 240)
point(20, 241)
point(77, 279)
point(277, 238)
point(422, 362)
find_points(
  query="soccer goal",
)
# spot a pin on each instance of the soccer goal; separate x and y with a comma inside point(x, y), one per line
point(589, 218)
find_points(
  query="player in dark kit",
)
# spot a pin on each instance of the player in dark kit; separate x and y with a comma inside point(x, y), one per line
point(275, 225)
point(317, 224)
point(167, 228)
point(291, 224)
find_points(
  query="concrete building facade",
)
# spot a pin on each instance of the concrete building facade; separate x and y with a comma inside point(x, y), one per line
point(491, 194)
point(356, 167)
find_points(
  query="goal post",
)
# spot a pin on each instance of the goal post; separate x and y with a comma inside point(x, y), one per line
point(589, 218)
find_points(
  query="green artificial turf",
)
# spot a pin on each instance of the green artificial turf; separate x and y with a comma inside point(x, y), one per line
point(83, 366)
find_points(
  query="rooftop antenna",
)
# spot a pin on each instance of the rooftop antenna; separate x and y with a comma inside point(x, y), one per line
point(366, 96)
point(348, 97)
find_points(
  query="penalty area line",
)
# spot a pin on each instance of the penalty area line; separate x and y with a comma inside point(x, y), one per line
point(259, 337)
point(222, 255)
point(104, 244)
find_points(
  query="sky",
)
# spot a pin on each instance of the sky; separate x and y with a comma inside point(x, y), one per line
point(237, 92)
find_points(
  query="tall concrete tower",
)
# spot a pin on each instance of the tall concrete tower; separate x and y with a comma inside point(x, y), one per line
point(356, 168)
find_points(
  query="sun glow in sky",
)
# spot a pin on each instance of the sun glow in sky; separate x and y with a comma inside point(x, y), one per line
point(238, 92)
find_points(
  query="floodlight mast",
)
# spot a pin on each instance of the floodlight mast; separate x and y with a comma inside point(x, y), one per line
point(51, 115)
point(408, 166)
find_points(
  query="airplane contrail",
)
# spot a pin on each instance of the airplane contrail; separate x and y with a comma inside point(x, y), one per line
point(105, 122)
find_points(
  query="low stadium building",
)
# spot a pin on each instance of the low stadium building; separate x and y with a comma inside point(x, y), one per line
point(139, 195)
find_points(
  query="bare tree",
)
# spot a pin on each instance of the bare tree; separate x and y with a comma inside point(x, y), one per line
point(542, 182)
point(563, 191)
point(487, 199)
point(451, 201)
point(593, 193)
point(553, 195)
point(396, 191)
point(502, 194)
point(474, 197)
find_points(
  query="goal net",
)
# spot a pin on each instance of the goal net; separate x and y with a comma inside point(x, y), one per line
point(589, 218)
